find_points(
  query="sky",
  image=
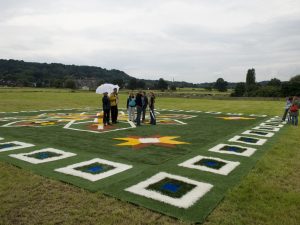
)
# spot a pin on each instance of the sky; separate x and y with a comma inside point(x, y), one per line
point(185, 40)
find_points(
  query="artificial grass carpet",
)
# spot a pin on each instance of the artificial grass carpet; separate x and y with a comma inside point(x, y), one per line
point(199, 132)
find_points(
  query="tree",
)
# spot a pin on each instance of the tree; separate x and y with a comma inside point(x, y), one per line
point(162, 84)
point(221, 85)
point(140, 84)
point(119, 82)
point(250, 78)
point(274, 82)
point(132, 84)
point(251, 85)
point(295, 79)
point(239, 90)
point(173, 87)
point(208, 88)
point(70, 83)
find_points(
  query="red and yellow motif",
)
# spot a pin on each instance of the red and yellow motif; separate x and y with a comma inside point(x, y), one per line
point(140, 142)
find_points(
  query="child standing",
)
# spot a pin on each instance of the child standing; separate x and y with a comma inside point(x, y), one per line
point(106, 108)
point(131, 107)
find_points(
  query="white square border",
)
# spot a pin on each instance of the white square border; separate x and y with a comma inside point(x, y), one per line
point(1, 138)
point(274, 129)
point(234, 114)
point(213, 113)
point(21, 145)
point(185, 201)
point(24, 157)
point(257, 115)
point(265, 124)
point(268, 134)
point(119, 167)
point(261, 141)
point(224, 170)
point(246, 153)
point(272, 120)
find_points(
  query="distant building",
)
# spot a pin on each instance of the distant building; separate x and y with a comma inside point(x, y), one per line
point(87, 83)
point(85, 88)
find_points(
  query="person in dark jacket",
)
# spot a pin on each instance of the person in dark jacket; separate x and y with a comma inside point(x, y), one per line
point(139, 105)
point(151, 107)
point(106, 108)
point(144, 106)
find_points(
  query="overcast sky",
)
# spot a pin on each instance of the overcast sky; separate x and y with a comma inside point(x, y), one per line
point(190, 40)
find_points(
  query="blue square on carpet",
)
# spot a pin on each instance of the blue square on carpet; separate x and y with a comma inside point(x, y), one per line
point(95, 169)
point(171, 187)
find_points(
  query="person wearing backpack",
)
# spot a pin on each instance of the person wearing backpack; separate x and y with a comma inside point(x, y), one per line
point(131, 107)
point(294, 111)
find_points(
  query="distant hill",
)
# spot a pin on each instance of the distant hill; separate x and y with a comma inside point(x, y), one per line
point(20, 73)
point(32, 74)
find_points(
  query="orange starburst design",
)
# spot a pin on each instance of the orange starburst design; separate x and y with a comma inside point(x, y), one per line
point(141, 142)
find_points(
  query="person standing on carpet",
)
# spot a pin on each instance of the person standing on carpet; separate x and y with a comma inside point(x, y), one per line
point(131, 107)
point(151, 107)
point(144, 106)
point(288, 104)
point(294, 111)
point(139, 105)
point(114, 99)
point(106, 108)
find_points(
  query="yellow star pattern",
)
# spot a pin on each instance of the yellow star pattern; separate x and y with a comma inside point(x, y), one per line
point(135, 141)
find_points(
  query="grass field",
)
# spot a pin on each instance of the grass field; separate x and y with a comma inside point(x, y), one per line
point(269, 194)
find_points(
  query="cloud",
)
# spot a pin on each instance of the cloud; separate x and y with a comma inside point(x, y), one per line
point(188, 40)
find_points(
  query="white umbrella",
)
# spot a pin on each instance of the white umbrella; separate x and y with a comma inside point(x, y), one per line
point(109, 88)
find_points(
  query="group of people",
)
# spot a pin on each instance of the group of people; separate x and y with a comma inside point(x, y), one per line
point(291, 112)
point(110, 106)
point(135, 104)
point(139, 103)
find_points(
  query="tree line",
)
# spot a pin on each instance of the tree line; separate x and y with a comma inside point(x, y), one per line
point(272, 88)
point(251, 88)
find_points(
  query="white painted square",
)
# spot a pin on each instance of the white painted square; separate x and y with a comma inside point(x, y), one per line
point(269, 125)
point(234, 114)
point(20, 145)
point(273, 129)
point(185, 201)
point(149, 140)
point(275, 121)
point(25, 157)
point(214, 113)
point(218, 148)
point(1, 138)
point(70, 170)
point(260, 141)
point(224, 170)
point(250, 132)
point(256, 115)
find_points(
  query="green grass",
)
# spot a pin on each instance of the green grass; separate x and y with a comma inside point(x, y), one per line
point(269, 194)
